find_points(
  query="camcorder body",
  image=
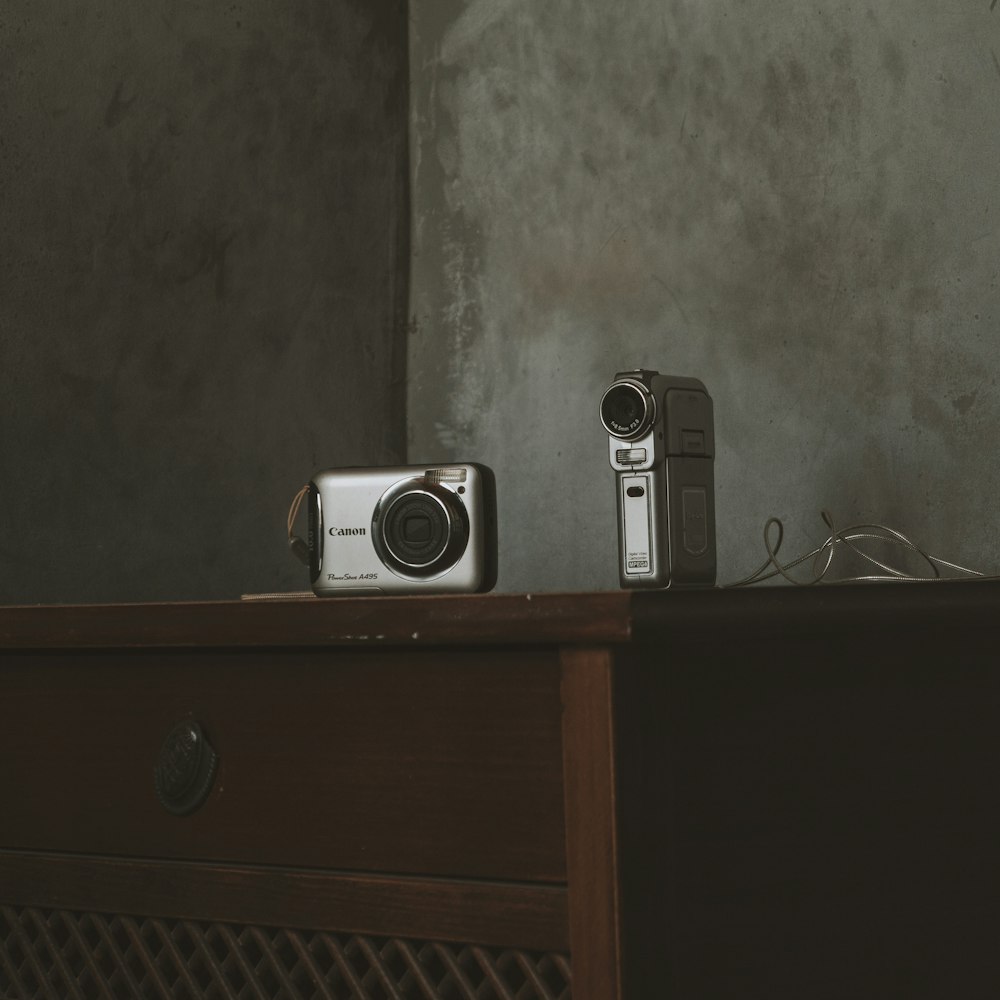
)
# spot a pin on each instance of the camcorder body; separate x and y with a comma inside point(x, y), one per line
point(661, 440)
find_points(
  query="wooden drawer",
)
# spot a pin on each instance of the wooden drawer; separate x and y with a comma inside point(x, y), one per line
point(439, 762)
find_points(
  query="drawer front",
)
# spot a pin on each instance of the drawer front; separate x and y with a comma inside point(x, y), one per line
point(441, 762)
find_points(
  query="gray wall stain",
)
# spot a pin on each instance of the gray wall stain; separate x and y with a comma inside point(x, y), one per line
point(794, 205)
point(203, 282)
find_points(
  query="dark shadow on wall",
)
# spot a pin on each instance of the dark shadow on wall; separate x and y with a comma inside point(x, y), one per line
point(204, 247)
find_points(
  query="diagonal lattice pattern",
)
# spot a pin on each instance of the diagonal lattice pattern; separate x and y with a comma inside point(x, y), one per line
point(61, 955)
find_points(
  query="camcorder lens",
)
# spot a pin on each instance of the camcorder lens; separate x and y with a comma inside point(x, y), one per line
point(626, 411)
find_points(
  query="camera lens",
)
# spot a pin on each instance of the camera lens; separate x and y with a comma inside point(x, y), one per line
point(420, 529)
point(626, 411)
point(415, 528)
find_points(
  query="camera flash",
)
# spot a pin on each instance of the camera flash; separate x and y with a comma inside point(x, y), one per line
point(630, 456)
point(445, 475)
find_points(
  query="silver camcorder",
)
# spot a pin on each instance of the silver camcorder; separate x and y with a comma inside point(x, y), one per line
point(662, 448)
point(402, 530)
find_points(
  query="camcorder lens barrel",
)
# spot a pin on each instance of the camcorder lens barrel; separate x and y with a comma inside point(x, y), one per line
point(626, 411)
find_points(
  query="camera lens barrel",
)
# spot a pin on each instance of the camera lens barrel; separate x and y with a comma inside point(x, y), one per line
point(416, 529)
point(420, 529)
point(627, 411)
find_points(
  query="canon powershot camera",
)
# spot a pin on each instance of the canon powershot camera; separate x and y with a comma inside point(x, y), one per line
point(662, 448)
point(402, 530)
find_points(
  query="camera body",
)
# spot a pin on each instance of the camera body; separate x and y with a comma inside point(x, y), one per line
point(402, 530)
point(662, 448)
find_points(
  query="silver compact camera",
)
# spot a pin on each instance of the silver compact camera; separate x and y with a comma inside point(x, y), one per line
point(662, 448)
point(402, 530)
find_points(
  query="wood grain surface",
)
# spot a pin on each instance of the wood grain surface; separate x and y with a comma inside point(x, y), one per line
point(503, 619)
point(591, 824)
point(510, 914)
point(440, 762)
point(370, 621)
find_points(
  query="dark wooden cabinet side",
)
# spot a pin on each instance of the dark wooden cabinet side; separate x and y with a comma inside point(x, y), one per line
point(813, 814)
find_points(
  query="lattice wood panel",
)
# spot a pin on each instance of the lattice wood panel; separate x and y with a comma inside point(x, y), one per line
point(60, 955)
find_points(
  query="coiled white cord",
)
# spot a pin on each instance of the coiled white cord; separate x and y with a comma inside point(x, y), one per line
point(846, 538)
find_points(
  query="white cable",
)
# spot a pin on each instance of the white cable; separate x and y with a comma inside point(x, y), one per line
point(838, 540)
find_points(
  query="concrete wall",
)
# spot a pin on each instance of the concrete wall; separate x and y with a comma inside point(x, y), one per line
point(795, 203)
point(203, 264)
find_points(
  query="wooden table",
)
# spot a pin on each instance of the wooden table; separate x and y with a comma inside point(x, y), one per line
point(764, 793)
